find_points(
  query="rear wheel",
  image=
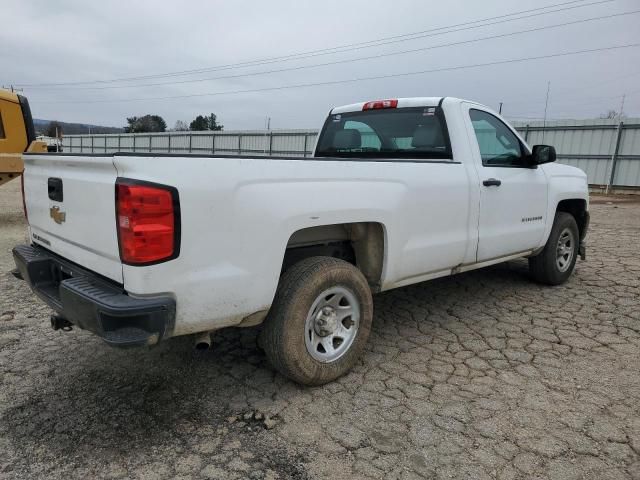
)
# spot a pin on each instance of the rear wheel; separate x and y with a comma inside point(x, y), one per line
point(555, 264)
point(319, 321)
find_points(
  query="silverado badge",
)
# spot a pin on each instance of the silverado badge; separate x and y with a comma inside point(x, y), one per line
point(57, 215)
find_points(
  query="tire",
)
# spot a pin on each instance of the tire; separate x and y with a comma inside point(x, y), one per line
point(312, 297)
point(548, 267)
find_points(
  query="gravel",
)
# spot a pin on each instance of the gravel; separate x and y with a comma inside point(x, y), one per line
point(482, 375)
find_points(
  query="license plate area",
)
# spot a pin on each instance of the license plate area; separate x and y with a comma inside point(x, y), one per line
point(46, 273)
point(59, 272)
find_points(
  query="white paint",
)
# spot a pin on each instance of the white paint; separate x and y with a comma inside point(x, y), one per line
point(522, 194)
point(237, 215)
point(88, 235)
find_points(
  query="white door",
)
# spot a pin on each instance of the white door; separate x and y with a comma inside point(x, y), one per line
point(513, 195)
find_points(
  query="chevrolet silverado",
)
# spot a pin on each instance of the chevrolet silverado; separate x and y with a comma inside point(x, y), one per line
point(138, 248)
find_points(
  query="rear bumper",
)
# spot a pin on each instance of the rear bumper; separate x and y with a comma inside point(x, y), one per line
point(93, 303)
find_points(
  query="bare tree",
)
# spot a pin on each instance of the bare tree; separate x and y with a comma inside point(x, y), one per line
point(609, 115)
point(180, 126)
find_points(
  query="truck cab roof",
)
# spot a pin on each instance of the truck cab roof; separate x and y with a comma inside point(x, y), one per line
point(406, 102)
point(401, 103)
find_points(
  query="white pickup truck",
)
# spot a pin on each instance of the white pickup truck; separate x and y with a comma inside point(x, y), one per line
point(138, 248)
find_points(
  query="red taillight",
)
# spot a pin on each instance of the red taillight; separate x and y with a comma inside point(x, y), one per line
point(147, 222)
point(24, 202)
point(379, 104)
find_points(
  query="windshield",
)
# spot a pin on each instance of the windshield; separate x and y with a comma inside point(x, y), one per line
point(403, 132)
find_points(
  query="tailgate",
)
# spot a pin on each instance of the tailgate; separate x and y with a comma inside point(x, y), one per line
point(70, 202)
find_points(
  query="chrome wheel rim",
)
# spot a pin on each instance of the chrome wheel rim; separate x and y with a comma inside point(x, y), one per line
point(332, 324)
point(565, 250)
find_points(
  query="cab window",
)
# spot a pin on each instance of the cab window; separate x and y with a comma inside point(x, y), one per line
point(499, 146)
point(392, 133)
point(369, 139)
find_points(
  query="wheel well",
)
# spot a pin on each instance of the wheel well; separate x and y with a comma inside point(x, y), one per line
point(361, 244)
point(578, 208)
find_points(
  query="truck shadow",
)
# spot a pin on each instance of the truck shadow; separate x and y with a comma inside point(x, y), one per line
point(112, 405)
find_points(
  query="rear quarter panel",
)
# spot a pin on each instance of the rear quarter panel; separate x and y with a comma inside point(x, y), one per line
point(238, 214)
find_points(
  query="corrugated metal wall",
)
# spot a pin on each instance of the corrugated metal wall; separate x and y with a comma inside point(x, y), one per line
point(254, 142)
point(596, 146)
point(591, 146)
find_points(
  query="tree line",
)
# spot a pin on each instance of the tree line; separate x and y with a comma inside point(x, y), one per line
point(155, 123)
point(143, 124)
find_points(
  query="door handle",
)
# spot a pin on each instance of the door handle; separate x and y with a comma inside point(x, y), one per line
point(54, 187)
point(491, 182)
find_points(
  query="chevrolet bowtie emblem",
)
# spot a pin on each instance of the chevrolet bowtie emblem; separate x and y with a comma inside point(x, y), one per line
point(57, 215)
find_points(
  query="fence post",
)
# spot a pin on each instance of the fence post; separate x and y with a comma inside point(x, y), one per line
point(92, 144)
point(134, 142)
point(119, 148)
point(168, 143)
point(239, 144)
point(614, 157)
point(526, 133)
point(305, 145)
point(213, 144)
point(190, 140)
point(270, 143)
point(150, 143)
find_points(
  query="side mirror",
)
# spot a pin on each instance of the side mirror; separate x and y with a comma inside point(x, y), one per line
point(543, 154)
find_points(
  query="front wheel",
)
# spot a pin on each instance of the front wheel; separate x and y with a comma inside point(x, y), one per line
point(319, 321)
point(555, 264)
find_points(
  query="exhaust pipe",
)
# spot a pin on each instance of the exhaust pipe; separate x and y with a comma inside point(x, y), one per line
point(61, 323)
point(203, 341)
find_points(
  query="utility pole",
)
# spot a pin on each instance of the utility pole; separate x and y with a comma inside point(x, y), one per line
point(546, 105)
point(13, 89)
point(267, 123)
point(500, 109)
point(622, 107)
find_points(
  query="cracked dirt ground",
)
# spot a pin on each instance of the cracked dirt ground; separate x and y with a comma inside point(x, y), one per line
point(483, 375)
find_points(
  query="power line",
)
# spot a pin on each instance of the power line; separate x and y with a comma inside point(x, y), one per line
point(370, 57)
point(589, 101)
point(598, 100)
point(354, 80)
point(581, 88)
point(349, 47)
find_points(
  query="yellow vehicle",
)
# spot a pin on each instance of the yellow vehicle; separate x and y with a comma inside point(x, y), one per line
point(17, 135)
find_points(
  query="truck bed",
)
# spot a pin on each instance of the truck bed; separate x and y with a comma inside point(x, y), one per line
point(239, 213)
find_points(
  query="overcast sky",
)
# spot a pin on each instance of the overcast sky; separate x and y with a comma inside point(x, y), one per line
point(44, 42)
